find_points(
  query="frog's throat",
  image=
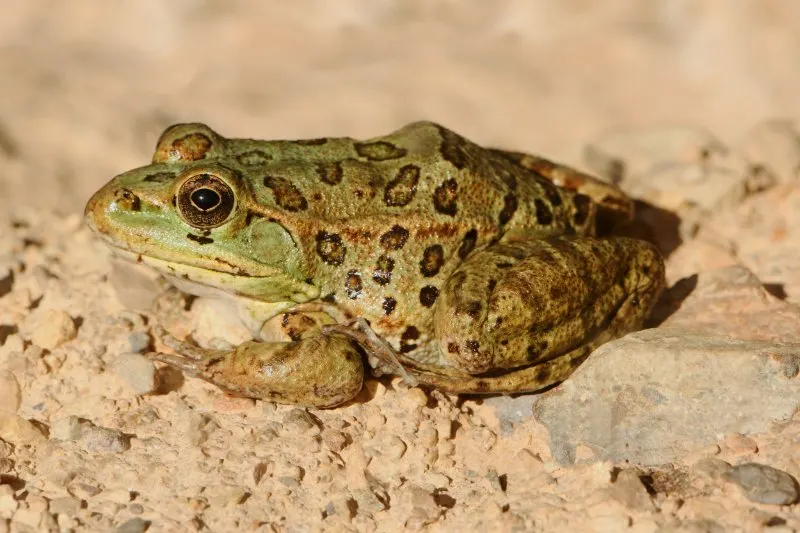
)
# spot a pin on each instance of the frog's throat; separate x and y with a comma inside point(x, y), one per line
point(272, 287)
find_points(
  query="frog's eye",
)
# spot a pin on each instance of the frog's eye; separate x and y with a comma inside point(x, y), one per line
point(205, 201)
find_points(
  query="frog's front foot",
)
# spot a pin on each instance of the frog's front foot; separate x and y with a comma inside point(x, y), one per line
point(319, 371)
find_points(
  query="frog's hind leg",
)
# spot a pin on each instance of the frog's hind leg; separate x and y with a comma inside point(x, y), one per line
point(316, 371)
point(537, 307)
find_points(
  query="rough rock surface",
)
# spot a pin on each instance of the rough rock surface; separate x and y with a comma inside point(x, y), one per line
point(92, 439)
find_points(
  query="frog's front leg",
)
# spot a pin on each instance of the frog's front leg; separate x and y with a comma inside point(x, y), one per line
point(317, 370)
point(530, 302)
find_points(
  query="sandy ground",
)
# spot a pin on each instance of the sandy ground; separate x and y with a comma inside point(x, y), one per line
point(88, 86)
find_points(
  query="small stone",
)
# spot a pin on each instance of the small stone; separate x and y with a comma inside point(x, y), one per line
point(91, 437)
point(10, 393)
point(394, 448)
point(139, 341)
point(300, 421)
point(138, 371)
point(419, 507)
point(19, 431)
point(67, 429)
point(134, 525)
point(50, 328)
point(741, 445)
point(334, 440)
point(630, 492)
point(8, 503)
point(121, 496)
point(6, 465)
point(416, 396)
point(224, 495)
point(27, 517)
point(764, 484)
point(66, 505)
point(711, 468)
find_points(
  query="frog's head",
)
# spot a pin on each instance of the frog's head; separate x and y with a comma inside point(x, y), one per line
point(193, 218)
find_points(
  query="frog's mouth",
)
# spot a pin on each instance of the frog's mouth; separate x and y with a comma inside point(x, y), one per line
point(201, 281)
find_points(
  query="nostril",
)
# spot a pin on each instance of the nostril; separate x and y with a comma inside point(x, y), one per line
point(127, 200)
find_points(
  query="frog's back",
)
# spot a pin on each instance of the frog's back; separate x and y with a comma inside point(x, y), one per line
point(420, 173)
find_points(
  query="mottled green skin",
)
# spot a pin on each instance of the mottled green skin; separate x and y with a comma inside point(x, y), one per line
point(478, 267)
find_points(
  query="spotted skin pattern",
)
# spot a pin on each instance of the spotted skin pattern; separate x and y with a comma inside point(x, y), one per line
point(474, 269)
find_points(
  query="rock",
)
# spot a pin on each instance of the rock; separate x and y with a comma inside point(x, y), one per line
point(628, 490)
point(66, 505)
point(18, 431)
point(674, 167)
point(300, 421)
point(764, 484)
point(774, 145)
point(732, 302)
point(139, 341)
point(765, 232)
point(49, 328)
point(10, 393)
point(137, 371)
point(134, 525)
point(656, 395)
point(511, 411)
point(418, 507)
point(92, 438)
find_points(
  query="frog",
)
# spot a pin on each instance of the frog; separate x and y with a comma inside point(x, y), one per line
point(458, 267)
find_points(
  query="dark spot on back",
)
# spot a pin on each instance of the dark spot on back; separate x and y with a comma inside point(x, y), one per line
point(253, 158)
point(492, 284)
point(353, 285)
point(395, 238)
point(432, 260)
point(453, 148)
point(401, 190)
point(504, 264)
point(389, 304)
point(452, 347)
point(199, 239)
point(445, 196)
point(428, 295)
point(383, 270)
point(468, 243)
point(550, 190)
point(582, 208)
point(379, 150)
point(330, 248)
point(544, 215)
point(509, 208)
point(330, 172)
point(286, 194)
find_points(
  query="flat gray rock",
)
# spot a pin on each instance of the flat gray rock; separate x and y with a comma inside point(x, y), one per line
point(656, 395)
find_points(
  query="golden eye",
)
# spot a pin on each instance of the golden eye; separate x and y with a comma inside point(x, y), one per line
point(205, 201)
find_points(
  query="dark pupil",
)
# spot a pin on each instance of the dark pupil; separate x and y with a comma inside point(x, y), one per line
point(205, 199)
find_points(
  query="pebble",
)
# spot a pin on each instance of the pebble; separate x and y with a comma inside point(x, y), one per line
point(137, 371)
point(775, 144)
point(764, 484)
point(66, 505)
point(139, 341)
point(50, 328)
point(91, 437)
point(19, 431)
point(28, 518)
point(335, 440)
point(134, 525)
point(10, 393)
point(630, 492)
point(300, 421)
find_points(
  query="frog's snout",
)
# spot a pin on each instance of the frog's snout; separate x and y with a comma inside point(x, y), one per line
point(106, 200)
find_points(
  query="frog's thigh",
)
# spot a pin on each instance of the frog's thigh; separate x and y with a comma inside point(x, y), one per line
point(318, 371)
point(527, 302)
